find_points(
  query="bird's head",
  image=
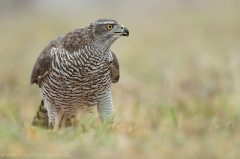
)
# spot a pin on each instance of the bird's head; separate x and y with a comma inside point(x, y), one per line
point(101, 33)
point(107, 31)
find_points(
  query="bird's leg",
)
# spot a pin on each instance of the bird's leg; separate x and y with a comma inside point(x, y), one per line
point(105, 108)
point(63, 121)
point(73, 120)
point(57, 120)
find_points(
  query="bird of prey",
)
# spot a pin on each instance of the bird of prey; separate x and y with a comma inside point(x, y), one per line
point(41, 119)
point(76, 70)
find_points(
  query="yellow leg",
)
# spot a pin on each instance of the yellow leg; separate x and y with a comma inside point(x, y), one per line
point(57, 120)
point(73, 121)
point(63, 121)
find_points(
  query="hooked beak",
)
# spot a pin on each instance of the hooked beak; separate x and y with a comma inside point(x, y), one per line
point(124, 31)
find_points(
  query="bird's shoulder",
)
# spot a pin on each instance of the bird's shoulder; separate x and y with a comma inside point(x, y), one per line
point(42, 65)
point(114, 69)
point(76, 39)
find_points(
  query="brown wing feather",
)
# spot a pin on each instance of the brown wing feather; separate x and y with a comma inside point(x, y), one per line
point(115, 73)
point(43, 63)
point(76, 39)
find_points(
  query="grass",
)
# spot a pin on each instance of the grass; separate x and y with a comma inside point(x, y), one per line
point(178, 95)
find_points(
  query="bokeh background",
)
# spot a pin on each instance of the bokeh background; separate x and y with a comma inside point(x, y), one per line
point(179, 90)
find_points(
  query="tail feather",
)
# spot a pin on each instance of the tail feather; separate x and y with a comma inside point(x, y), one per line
point(41, 119)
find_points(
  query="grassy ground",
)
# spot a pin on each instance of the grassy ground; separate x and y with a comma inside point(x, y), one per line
point(178, 95)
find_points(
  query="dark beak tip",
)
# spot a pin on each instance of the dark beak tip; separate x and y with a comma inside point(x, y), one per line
point(126, 32)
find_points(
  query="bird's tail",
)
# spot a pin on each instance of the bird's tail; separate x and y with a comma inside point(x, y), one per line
point(41, 119)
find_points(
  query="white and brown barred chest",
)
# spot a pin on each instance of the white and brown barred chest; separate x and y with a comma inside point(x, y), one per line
point(79, 77)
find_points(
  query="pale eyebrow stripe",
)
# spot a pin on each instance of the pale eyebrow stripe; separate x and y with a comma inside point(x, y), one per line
point(104, 22)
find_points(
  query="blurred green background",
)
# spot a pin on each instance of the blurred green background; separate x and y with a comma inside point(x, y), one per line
point(179, 90)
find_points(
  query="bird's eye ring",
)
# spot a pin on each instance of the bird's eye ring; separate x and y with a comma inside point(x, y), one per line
point(109, 26)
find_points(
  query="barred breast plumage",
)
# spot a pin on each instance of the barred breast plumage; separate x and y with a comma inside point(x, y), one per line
point(74, 70)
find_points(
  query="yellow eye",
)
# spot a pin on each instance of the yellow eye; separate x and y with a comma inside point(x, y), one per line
point(109, 26)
